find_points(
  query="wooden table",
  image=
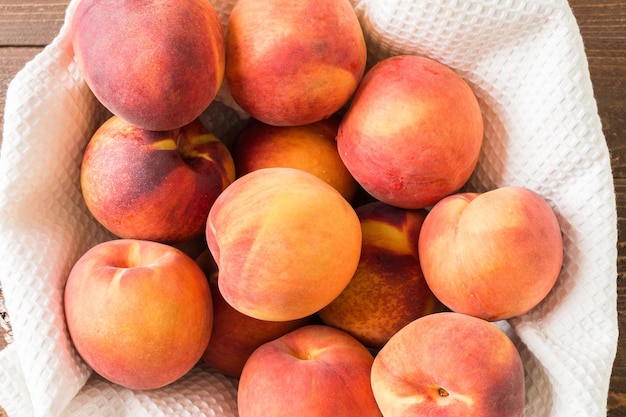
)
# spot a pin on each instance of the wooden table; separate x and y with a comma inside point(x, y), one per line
point(26, 26)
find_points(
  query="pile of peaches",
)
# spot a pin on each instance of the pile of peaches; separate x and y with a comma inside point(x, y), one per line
point(338, 269)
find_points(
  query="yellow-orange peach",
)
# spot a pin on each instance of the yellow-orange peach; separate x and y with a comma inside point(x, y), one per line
point(285, 242)
point(138, 312)
point(493, 255)
point(449, 364)
point(154, 185)
point(413, 132)
point(156, 64)
point(235, 336)
point(311, 148)
point(293, 62)
point(388, 290)
point(314, 371)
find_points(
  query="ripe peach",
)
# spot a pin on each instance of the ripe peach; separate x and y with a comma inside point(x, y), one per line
point(293, 63)
point(153, 185)
point(449, 364)
point(157, 65)
point(388, 290)
point(314, 371)
point(138, 312)
point(235, 336)
point(311, 148)
point(286, 243)
point(493, 255)
point(413, 132)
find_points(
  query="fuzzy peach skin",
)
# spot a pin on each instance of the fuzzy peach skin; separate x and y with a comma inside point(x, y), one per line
point(449, 364)
point(235, 336)
point(388, 290)
point(314, 371)
point(151, 185)
point(413, 132)
point(291, 63)
point(156, 64)
point(311, 148)
point(285, 242)
point(138, 312)
point(493, 255)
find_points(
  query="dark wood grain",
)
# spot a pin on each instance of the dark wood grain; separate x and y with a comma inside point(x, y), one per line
point(27, 26)
point(30, 23)
point(617, 390)
point(603, 28)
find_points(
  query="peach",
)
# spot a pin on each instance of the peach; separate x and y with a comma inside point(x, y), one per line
point(314, 371)
point(388, 290)
point(311, 148)
point(293, 63)
point(151, 185)
point(285, 242)
point(157, 65)
point(235, 336)
point(449, 364)
point(138, 312)
point(413, 132)
point(493, 255)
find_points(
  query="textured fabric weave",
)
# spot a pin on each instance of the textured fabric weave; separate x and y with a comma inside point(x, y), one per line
point(526, 63)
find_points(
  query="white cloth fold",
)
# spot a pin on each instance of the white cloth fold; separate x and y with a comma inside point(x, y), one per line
point(526, 63)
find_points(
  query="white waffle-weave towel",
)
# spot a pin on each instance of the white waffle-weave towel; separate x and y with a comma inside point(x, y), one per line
point(525, 61)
